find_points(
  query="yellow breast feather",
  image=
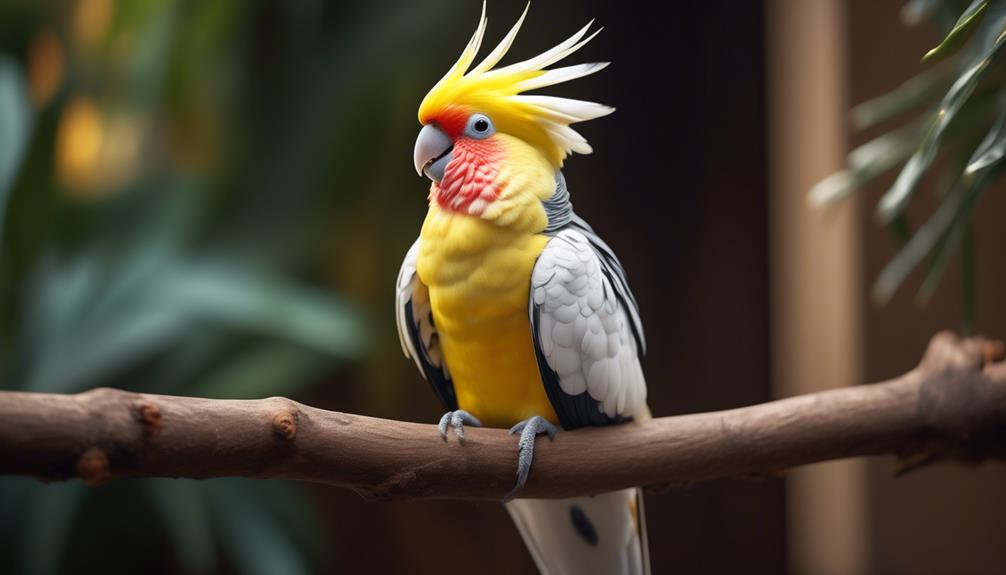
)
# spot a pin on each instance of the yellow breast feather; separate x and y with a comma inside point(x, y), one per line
point(479, 275)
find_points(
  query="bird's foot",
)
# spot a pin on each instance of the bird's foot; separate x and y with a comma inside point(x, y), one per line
point(458, 420)
point(529, 429)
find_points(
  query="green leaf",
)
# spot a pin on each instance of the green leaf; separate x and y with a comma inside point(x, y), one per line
point(965, 24)
point(915, 11)
point(942, 12)
point(920, 89)
point(76, 345)
point(900, 228)
point(983, 166)
point(938, 263)
point(992, 149)
point(190, 357)
point(867, 162)
point(265, 368)
point(72, 346)
point(15, 494)
point(230, 296)
point(921, 244)
point(183, 512)
point(15, 127)
point(151, 50)
point(991, 41)
point(49, 521)
point(294, 511)
point(956, 206)
point(252, 539)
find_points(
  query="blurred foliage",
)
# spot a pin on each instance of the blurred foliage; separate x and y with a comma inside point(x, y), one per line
point(174, 176)
point(959, 135)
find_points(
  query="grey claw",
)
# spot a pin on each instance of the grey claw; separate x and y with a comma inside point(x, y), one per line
point(442, 426)
point(457, 419)
point(462, 418)
point(529, 429)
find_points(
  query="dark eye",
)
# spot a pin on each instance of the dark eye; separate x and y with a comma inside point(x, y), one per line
point(479, 127)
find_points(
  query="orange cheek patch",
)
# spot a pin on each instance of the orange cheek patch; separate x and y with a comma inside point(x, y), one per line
point(471, 178)
point(452, 121)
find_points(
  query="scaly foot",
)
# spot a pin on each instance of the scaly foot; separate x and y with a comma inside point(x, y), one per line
point(457, 419)
point(529, 429)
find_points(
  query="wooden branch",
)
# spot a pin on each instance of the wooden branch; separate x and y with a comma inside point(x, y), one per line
point(952, 406)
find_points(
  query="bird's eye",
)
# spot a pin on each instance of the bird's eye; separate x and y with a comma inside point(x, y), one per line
point(479, 127)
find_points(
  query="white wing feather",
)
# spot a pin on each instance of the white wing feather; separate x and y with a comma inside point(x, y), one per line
point(410, 289)
point(585, 333)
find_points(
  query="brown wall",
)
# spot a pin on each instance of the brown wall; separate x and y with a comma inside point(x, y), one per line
point(815, 273)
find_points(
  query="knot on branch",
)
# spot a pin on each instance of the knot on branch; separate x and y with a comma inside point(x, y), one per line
point(955, 406)
point(951, 355)
point(284, 425)
point(149, 415)
point(92, 467)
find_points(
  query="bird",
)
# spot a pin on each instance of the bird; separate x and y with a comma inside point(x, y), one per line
point(517, 313)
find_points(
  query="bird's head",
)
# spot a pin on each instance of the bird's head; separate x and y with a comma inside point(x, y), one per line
point(484, 143)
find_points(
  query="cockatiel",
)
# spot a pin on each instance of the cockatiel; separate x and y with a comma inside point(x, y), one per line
point(512, 307)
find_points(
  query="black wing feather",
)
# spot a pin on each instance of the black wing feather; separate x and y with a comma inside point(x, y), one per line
point(442, 385)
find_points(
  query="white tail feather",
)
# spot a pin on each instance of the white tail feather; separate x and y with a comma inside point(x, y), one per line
point(604, 534)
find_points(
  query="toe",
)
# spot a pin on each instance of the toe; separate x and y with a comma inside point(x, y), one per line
point(529, 429)
point(458, 423)
point(442, 426)
point(457, 419)
point(471, 419)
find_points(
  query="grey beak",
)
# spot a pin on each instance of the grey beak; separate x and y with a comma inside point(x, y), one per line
point(433, 152)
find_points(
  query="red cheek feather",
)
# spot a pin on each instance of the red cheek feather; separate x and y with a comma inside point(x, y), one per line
point(472, 174)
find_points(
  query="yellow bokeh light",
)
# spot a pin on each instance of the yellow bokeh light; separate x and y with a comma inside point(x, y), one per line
point(78, 144)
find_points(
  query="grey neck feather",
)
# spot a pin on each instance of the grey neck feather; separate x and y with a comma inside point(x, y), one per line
point(558, 208)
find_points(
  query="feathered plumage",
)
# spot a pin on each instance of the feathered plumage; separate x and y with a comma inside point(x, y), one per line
point(511, 305)
point(543, 121)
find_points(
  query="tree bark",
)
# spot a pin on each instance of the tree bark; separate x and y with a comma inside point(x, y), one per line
point(952, 406)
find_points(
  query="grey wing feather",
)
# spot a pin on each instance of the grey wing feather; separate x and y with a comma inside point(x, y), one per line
point(586, 330)
point(558, 208)
point(417, 331)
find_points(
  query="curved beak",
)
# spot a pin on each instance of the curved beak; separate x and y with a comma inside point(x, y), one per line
point(433, 152)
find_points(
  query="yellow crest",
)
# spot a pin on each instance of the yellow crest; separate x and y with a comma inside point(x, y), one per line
point(542, 121)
